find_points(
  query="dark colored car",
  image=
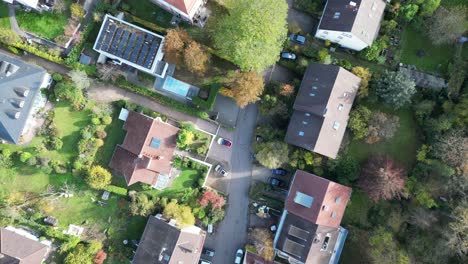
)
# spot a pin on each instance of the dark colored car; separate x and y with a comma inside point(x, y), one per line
point(296, 38)
point(279, 171)
point(276, 182)
point(224, 142)
point(288, 55)
point(208, 252)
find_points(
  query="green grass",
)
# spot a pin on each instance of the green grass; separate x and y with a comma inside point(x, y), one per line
point(402, 147)
point(413, 41)
point(115, 136)
point(450, 3)
point(46, 24)
point(188, 178)
point(149, 12)
point(4, 17)
point(357, 210)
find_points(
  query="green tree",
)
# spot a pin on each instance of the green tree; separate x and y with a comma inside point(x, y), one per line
point(323, 56)
point(273, 154)
point(181, 213)
point(408, 11)
point(267, 104)
point(24, 156)
point(140, 204)
point(358, 122)
point(244, 88)
point(372, 52)
point(302, 158)
point(80, 79)
point(429, 6)
point(385, 249)
point(395, 89)
point(347, 170)
point(98, 177)
point(252, 33)
point(185, 138)
point(446, 25)
point(388, 26)
point(79, 255)
point(77, 11)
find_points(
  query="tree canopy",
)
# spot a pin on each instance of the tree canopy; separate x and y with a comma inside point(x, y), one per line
point(395, 89)
point(244, 88)
point(181, 213)
point(252, 33)
point(98, 177)
point(447, 24)
point(273, 154)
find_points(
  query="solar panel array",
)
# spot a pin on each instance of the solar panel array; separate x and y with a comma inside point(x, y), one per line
point(128, 43)
point(298, 232)
point(293, 248)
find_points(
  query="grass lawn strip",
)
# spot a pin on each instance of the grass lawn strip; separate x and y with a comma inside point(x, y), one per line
point(4, 16)
point(46, 24)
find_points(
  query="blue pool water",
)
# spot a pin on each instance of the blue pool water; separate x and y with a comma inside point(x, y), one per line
point(176, 86)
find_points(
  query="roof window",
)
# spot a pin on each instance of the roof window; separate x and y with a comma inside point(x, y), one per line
point(311, 94)
point(303, 199)
point(301, 133)
point(351, 3)
point(340, 107)
point(305, 122)
point(336, 125)
point(336, 15)
point(333, 214)
point(314, 87)
point(325, 243)
point(337, 200)
point(325, 207)
point(307, 114)
point(155, 143)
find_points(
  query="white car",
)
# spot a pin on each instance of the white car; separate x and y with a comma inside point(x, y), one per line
point(221, 170)
point(239, 255)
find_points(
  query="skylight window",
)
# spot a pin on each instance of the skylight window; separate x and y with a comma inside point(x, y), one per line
point(336, 15)
point(303, 199)
point(314, 87)
point(307, 114)
point(336, 125)
point(155, 143)
point(340, 107)
point(301, 133)
point(333, 214)
point(311, 94)
point(305, 122)
point(337, 200)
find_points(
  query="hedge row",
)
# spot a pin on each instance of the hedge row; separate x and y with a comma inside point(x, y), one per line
point(116, 189)
point(38, 52)
point(166, 101)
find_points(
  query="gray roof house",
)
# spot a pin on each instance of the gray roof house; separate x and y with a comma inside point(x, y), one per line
point(321, 109)
point(20, 96)
point(163, 242)
point(19, 247)
point(353, 24)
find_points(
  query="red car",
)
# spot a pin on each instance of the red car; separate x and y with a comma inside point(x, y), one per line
point(224, 142)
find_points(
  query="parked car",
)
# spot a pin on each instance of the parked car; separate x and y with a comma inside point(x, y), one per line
point(208, 252)
point(239, 255)
point(288, 55)
point(296, 38)
point(276, 182)
point(221, 170)
point(224, 142)
point(202, 261)
point(279, 171)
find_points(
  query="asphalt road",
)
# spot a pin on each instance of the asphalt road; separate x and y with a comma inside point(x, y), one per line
point(232, 232)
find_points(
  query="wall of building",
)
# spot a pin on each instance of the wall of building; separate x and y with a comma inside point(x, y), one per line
point(344, 39)
point(172, 9)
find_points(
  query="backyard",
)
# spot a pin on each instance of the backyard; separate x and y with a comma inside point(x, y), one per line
point(148, 11)
point(4, 17)
point(47, 24)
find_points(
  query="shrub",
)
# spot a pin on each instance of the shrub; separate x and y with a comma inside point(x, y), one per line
point(98, 177)
point(24, 156)
point(101, 134)
point(358, 121)
point(77, 165)
point(323, 56)
point(32, 161)
point(77, 11)
point(106, 120)
point(95, 121)
point(98, 142)
point(57, 77)
point(56, 143)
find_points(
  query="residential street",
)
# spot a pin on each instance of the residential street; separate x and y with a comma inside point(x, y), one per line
point(232, 232)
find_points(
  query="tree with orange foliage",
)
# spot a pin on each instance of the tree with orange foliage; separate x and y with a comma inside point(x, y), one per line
point(195, 58)
point(287, 90)
point(244, 88)
point(100, 257)
point(174, 44)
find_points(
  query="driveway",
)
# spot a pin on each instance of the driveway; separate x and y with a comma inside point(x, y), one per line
point(231, 234)
point(306, 22)
point(279, 73)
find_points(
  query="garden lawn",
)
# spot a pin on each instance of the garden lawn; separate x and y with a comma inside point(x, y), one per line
point(402, 147)
point(413, 41)
point(148, 11)
point(4, 17)
point(188, 178)
point(450, 3)
point(46, 24)
point(357, 210)
point(115, 136)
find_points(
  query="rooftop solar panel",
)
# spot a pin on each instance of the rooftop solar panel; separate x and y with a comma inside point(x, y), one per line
point(298, 232)
point(149, 37)
point(103, 34)
point(109, 37)
point(115, 41)
point(122, 44)
point(136, 50)
point(293, 248)
point(131, 43)
point(142, 56)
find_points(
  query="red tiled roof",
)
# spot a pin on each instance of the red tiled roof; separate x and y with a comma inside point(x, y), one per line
point(329, 199)
point(135, 159)
point(252, 258)
point(183, 5)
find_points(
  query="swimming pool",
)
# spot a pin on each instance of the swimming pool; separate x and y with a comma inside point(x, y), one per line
point(176, 86)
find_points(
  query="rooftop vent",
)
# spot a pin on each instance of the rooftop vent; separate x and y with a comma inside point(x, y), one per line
point(303, 199)
point(325, 207)
point(340, 107)
point(22, 91)
point(337, 200)
point(18, 103)
point(172, 222)
point(336, 125)
point(351, 3)
point(11, 69)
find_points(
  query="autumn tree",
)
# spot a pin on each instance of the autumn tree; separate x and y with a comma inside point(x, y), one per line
point(458, 234)
point(212, 199)
point(382, 178)
point(395, 89)
point(365, 76)
point(251, 33)
point(273, 154)
point(181, 213)
point(99, 257)
point(79, 255)
point(195, 58)
point(98, 177)
point(451, 147)
point(446, 24)
point(358, 122)
point(286, 90)
point(262, 240)
point(77, 11)
point(174, 43)
point(244, 88)
point(141, 204)
point(108, 72)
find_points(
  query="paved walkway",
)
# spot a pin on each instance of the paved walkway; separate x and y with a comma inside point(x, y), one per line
point(14, 23)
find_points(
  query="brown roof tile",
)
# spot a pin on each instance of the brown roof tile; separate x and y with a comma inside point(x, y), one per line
point(329, 199)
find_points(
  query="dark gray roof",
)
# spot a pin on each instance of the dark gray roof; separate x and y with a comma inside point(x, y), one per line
point(321, 109)
point(19, 84)
point(157, 242)
point(17, 249)
point(339, 15)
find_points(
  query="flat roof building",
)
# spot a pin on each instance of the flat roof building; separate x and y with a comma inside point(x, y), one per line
point(132, 45)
